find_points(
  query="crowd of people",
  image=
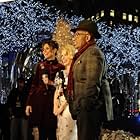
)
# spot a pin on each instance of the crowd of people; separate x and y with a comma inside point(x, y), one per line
point(69, 97)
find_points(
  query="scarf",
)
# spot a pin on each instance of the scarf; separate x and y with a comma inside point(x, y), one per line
point(70, 76)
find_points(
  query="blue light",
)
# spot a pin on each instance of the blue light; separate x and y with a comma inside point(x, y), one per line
point(138, 118)
point(24, 24)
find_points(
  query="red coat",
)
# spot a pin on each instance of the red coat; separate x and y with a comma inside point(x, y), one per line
point(40, 98)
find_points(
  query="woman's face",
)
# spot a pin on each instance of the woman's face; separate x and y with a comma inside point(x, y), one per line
point(66, 58)
point(48, 52)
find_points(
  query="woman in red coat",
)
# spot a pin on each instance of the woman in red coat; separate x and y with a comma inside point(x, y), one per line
point(40, 101)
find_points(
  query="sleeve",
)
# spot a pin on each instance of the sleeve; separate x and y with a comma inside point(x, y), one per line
point(34, 84)
point(94, 70)
point(55, 102)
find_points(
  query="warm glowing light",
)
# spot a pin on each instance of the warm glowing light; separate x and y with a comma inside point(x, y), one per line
point(112, 13)
point(130, 17)
point(124, 16)
point(136, 19)
point(97, 16)
point(62, 33)
point(102, 13)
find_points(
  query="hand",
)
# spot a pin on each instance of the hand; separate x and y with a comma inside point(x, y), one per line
point(60, 90)
point(45, 79)
point(28, 110)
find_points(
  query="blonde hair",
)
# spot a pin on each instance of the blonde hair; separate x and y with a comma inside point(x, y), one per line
point(70, 51)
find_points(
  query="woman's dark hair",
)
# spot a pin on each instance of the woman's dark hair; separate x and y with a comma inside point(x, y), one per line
point(51, 43)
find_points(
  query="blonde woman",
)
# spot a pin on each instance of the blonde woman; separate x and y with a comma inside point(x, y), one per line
point(66, 127)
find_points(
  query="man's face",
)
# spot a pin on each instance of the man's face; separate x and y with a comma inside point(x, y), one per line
point(48, 52)
point(80, 38)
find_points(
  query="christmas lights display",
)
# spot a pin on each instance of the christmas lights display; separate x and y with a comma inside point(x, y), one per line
point(121, 45)
point(62, 33)
point(26, 23)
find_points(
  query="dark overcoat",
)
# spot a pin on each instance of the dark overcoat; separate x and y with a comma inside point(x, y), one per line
point(41, 98)
point(91, 89)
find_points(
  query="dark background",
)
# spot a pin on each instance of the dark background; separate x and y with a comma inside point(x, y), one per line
point(89, 7)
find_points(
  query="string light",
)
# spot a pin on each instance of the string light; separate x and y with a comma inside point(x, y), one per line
point(62, 32)
point(120, 44)
point(24, 24)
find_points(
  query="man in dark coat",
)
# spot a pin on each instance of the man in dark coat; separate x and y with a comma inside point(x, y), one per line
point(40, 100)
point(88, 90)
point(4, 122)
point(17, 103)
